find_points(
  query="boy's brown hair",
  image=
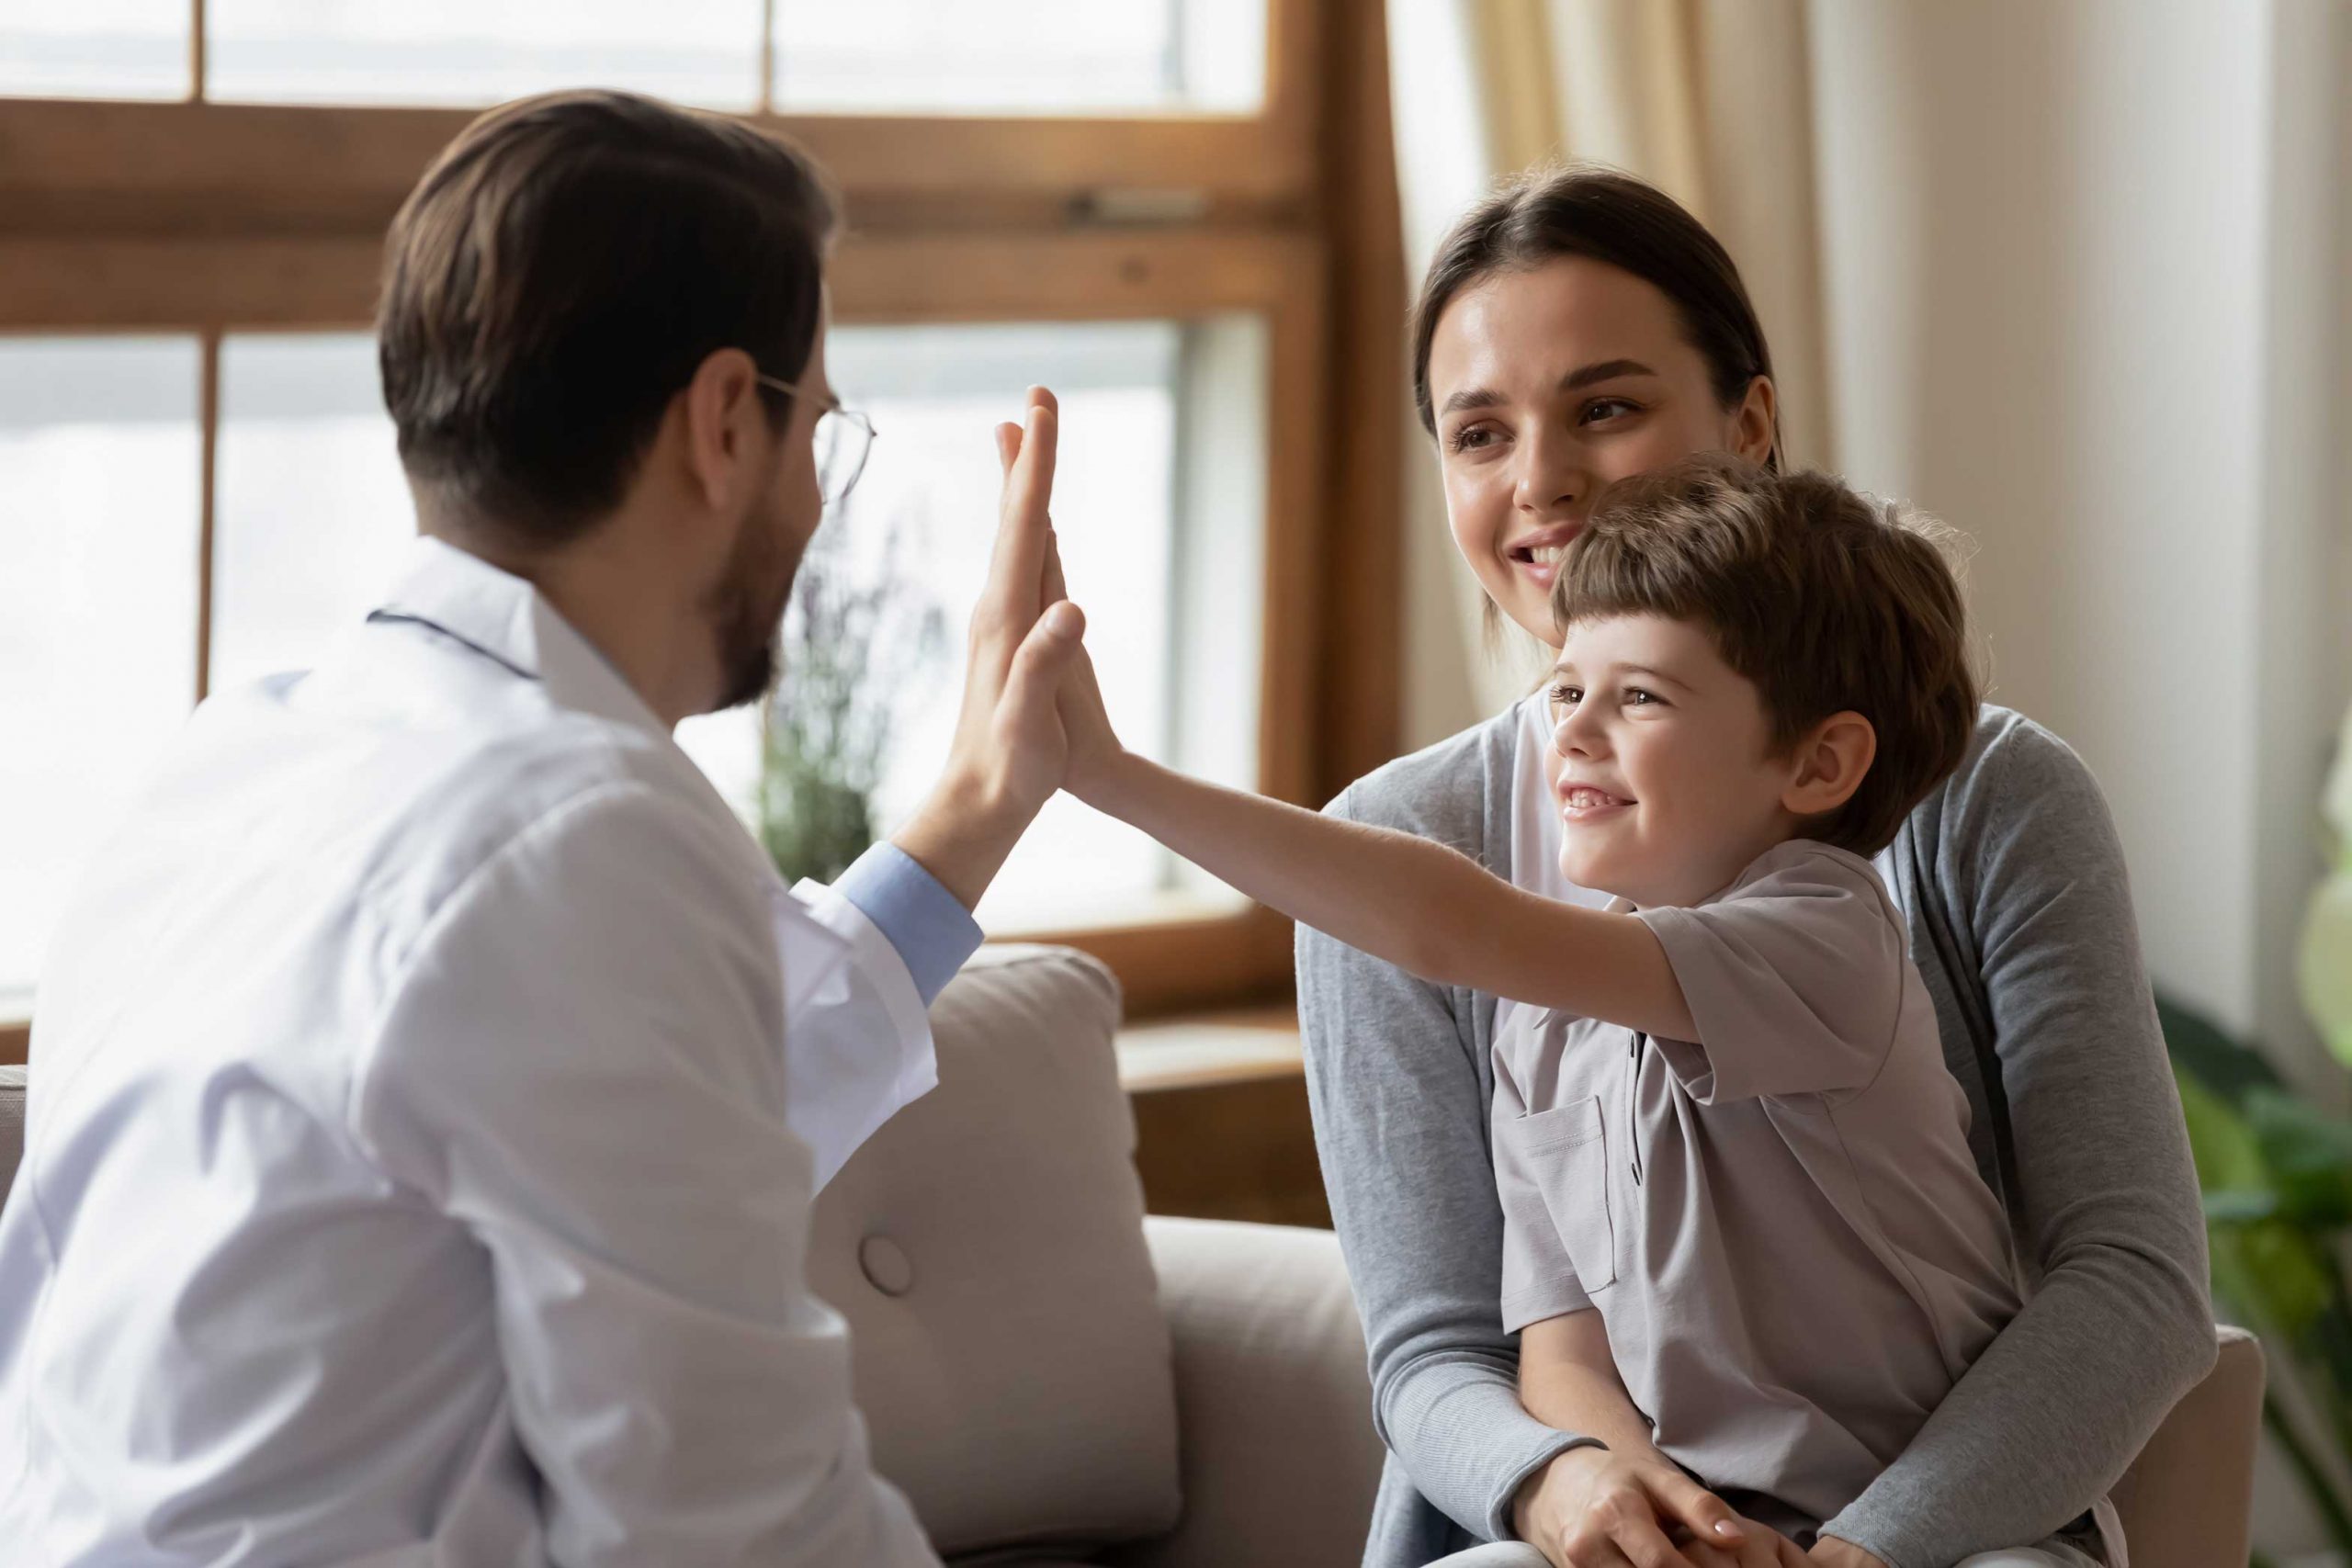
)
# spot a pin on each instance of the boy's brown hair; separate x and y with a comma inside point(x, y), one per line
point(1827, 599)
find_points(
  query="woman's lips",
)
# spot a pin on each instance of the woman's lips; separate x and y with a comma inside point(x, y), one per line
point(1539, 557)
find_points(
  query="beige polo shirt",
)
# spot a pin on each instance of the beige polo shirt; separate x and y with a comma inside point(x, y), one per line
point(1780, 1222)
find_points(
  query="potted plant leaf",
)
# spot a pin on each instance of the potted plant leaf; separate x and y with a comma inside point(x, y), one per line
point(855, 634)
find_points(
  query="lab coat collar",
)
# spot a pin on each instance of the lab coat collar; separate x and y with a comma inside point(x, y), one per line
point(502, 618)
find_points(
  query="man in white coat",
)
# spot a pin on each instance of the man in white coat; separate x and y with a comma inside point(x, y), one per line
point(430, 1084)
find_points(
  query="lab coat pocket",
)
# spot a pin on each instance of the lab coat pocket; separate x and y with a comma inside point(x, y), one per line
point(1564, 1153)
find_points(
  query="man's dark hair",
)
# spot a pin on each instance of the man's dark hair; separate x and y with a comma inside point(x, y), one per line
point(557, 278)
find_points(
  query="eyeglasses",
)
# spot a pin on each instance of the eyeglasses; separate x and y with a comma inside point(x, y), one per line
point(844, 437)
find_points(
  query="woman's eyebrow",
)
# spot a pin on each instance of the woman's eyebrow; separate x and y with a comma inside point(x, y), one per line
point(1607, 370)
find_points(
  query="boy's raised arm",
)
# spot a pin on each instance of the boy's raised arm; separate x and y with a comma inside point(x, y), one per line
point(1418, 905)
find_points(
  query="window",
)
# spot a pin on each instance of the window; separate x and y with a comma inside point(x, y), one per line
point(106, 48)
point(98, 469)
point(312, 515)
point(1021, 56)
point(1133, 203)
point(1158, 503)
point(466, 52)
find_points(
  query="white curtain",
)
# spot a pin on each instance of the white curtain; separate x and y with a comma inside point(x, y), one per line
point(1707, 98)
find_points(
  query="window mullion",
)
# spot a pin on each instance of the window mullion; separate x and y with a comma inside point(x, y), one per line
point(208, 407)
point(197, 63)
point(767, 56)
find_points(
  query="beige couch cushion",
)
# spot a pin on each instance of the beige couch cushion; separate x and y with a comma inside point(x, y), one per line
point(988, 1247)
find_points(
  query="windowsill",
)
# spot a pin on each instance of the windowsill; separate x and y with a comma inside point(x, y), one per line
point(1206, 1050)
point(1131, 911)
point(1222, 1127)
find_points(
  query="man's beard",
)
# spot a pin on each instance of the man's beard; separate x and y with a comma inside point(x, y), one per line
point(746, 609)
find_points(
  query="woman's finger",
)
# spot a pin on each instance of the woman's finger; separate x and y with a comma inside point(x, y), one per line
point(1703, 1514)
point(1598, 1554)
point(1008, 446)
point(1644, 1541)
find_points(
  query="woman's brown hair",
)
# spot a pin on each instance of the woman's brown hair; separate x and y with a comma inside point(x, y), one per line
point(1610, 216)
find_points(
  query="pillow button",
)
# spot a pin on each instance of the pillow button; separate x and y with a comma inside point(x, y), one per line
point(886, 1266)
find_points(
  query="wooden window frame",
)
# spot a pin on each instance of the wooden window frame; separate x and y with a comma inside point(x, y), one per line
point(207, 217)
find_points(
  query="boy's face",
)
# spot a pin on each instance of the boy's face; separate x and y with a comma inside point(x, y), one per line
point(1660, 763)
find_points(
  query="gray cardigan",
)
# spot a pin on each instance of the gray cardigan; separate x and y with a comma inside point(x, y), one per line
point(2013, 881)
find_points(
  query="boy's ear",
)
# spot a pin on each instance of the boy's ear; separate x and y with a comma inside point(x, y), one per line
point(1828, 763)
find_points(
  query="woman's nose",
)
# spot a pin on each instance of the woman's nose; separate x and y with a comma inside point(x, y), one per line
point(1550, 476)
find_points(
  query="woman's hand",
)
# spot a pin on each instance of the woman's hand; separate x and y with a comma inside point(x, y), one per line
point(1596, 1508)
point(1831, 1552)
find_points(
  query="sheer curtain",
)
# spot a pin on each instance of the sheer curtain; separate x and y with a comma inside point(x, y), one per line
point(1711, 100)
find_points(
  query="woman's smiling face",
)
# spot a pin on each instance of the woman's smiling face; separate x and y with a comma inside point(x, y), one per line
point(1549, 384)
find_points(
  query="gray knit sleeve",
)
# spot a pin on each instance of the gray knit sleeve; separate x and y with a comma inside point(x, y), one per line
point(1399, 1099)
point(2027, 875)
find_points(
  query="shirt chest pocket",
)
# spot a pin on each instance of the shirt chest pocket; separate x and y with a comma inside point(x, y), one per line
point(1563, 1155)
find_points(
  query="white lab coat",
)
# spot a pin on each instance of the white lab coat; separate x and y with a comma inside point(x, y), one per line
point(429, 1088)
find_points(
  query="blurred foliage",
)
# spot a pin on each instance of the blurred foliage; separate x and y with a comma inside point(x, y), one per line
point(2275, 1172)
point(2324, 966)
point(854, 635)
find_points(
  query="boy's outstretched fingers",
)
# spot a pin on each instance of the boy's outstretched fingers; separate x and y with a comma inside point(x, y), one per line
point(1028, 717)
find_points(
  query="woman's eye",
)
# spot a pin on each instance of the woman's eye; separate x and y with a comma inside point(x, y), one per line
point(1475, 438)
point(1602, 409)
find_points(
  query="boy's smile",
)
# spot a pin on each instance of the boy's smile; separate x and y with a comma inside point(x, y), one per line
point(1661, 762)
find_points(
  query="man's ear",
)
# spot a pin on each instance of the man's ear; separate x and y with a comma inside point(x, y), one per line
point(1828, 763)
point(724, 424)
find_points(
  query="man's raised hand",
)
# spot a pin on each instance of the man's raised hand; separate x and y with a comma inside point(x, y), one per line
point(1009, 751)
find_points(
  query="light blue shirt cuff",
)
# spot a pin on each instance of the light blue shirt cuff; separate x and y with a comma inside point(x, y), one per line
point(929, 926)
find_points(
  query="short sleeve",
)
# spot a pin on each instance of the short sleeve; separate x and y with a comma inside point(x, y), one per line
point(1539, 1278)
point(1795, 976)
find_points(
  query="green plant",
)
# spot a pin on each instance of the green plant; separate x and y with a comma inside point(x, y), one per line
point(2325, 962)
point(2276, 1171)
point(2276, 1177)
point(854, 637)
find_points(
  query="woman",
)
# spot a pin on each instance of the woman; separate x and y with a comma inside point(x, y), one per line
point(1573, 330)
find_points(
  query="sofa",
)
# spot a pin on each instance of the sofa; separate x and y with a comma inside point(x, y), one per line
point(1057, 1379)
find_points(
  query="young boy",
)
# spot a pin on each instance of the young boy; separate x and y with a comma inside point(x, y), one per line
point(1743, 1233)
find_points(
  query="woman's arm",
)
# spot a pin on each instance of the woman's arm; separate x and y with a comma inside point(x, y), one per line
point(1400, 1103)
point(1418, 905)
point(2119, 1325)
point(1630, 1493)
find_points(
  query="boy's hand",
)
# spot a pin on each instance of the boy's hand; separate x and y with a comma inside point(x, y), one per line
point(1092, 745)
point(1594, 1508)
point(1095, 747)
